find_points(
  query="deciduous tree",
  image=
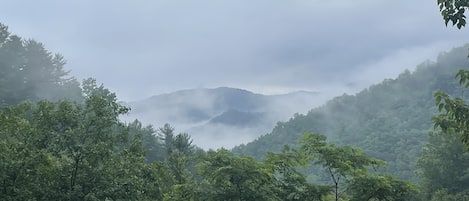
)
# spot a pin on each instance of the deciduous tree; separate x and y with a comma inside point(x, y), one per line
point(453, 11)
point(341, 163)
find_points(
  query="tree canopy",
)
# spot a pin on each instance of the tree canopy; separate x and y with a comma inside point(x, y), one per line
point(60, 140)
point(453, 11)
point(389, 121)
point(30, 72)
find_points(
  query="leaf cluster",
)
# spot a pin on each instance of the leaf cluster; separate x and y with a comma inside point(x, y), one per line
point(453, 11)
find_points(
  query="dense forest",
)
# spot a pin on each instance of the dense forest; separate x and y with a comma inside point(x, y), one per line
point(403, 139)
point(389, 121)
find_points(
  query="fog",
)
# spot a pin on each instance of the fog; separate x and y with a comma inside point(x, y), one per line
point(139, 49)
point(205, 113)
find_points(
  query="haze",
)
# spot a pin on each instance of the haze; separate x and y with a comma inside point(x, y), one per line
point(143, 48)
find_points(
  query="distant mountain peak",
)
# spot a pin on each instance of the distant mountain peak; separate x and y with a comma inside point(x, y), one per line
point(210, 110)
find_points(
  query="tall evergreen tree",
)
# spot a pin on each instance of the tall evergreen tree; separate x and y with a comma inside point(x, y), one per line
point(30, 72)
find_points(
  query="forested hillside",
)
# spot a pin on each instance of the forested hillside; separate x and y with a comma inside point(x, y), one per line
point(223, 116)
point(389, 121)
point(64, 140)
point(30, 72)
point(74, 146)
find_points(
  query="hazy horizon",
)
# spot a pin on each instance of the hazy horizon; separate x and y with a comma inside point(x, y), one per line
point(140, 49)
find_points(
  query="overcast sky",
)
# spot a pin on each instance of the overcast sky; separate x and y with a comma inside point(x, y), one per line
point(139, 48)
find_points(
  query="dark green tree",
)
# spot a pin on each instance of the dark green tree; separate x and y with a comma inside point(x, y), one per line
point(453, 11)
point(27, 171)
point(443, 165)
point(154, 147)
point(75, 151)
point(30, 72)
point(172, 142)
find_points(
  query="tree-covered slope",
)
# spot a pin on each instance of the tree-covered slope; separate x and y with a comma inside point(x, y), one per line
point(221, 117)
point(390, 120)
point(28, 71)
point(196, 105)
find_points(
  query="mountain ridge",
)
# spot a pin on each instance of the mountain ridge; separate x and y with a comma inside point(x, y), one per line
point(389, 120)
point(209, 113)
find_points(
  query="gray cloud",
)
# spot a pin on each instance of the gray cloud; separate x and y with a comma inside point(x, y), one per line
point(141, 48)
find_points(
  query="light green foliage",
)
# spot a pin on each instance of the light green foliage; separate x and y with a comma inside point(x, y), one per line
point(453, 11)
point(454, 112)
point(289, 183)
point(341, 163)
point(442, 195)
point(444, 165)
point(445, 159)
point(69, 151)
point(232, 177)
point(26, 170)
point(86, 137)
point(377, 187)
point(185, 191)
point(80, 151)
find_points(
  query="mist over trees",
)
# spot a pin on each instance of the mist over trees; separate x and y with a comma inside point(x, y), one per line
point(30, 72)
point(229, 116)
point(389, 121)
point(63, 140)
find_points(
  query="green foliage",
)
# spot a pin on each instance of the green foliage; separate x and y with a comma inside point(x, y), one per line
point(81, 151)
point(444, 165)
point(236, 178)
point(180, 142)
point(453, 11)
point(389, 121)
point(77, 148)
point(29, 72)
point(152, 144)
point(289, 182)
point(69, 151)
point(377, 187)
point(340, 162)
point(26, 170)
point(454, 112)
point(442, 195)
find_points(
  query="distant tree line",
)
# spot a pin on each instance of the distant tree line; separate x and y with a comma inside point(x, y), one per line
point(63, 140)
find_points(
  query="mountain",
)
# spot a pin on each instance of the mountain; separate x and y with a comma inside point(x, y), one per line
point(389, 121)
point(239, 118)
point(221, 117)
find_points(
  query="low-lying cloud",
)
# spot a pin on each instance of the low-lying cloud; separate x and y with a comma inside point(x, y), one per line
point(143, 48)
